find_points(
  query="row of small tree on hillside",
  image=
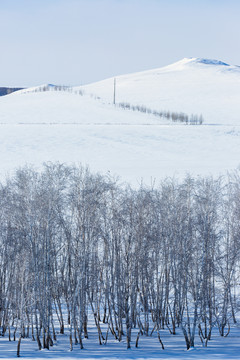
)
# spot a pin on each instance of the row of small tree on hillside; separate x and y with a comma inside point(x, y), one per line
point(58, 88)
point(173, 116)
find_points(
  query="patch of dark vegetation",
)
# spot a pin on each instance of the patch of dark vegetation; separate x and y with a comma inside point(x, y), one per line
point(7, 90)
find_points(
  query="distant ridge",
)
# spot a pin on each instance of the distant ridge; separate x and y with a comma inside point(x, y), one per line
point(8, 90)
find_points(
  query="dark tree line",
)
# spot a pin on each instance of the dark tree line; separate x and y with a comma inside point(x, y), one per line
point(74, 244)
point(7, 90)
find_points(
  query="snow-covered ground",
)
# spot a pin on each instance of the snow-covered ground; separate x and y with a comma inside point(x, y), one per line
point(64, 126)
point(224, 348)
point(191, 85)
point(135, 152)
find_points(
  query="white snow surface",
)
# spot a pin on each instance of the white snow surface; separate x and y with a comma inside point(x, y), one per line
point(37, 126)
point(222, 348)
point(149, 349)
point(195, 85)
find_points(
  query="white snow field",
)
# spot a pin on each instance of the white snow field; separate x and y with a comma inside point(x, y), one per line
point(149, 348)
point(64, 126)
point(40, 126)
point(192, 85)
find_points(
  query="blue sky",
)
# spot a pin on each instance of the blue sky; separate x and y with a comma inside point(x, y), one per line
point(80, 41)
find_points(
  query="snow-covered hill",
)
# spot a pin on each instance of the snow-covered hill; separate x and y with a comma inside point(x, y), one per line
point(191, 85)
point(34, 106)
point(82, 125)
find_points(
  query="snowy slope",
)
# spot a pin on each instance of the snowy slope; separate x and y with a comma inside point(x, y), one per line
point(63, 107)
point(38, 126)
point(192, 85)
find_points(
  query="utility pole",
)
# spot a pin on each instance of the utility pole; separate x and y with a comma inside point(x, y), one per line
point(114, 92)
